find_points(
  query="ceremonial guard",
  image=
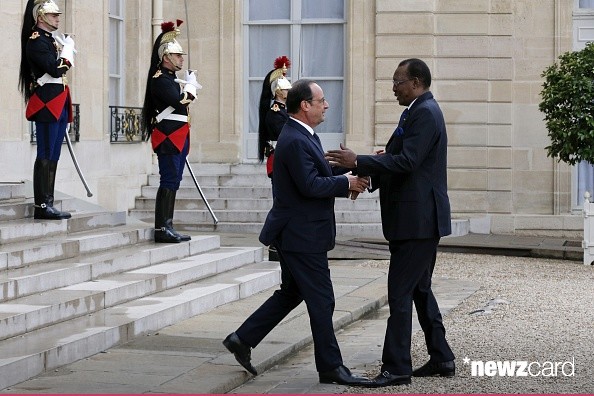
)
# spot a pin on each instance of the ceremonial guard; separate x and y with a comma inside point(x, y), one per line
point(165, 118)
point(46, 56)
point(272, 110)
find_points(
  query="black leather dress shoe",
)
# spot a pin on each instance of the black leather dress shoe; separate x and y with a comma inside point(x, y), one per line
point(242, 352)
point(388, 379)
point(431, 368)
point(342, 376)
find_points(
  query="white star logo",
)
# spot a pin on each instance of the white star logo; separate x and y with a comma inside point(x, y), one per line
point(466, 360)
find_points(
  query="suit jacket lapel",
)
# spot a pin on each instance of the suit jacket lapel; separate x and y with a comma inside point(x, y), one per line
point(312, 140)
point(427, 95)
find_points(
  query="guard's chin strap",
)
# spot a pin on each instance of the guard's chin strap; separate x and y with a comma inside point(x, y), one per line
point(47, 22)
point(175, 65)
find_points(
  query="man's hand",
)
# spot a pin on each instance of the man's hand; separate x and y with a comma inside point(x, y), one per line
point(344, 157)
point(357, 185)
point(354, 193)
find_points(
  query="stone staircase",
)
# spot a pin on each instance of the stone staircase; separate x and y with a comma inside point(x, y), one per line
point(72, 288)
point(240, 195)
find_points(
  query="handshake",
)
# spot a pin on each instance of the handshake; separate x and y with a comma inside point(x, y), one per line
point(357, 185)
point(190, 83)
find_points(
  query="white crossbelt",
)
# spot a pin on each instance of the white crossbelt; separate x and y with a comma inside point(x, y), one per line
point(167, 115)
point(47, 79)
point(176, 117)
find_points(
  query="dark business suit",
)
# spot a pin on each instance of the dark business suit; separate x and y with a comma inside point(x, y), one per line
point(415, 210)
point(301, 225)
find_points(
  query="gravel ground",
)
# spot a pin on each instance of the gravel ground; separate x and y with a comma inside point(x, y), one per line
point(543, 312)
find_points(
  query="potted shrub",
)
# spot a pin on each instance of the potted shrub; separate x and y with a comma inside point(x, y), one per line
point(568, 105)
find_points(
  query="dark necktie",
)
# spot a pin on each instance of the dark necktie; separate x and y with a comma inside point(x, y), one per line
point(315, 135)
point(399, 130)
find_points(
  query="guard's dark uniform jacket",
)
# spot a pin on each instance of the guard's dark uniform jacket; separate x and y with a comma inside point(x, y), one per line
point(50, 91)
point(172, 127)
point(276, 118)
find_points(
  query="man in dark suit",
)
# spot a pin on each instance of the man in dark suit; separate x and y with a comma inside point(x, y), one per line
point(301, 225)
point(415, 209)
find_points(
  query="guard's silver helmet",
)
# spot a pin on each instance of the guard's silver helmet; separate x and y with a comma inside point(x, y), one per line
point(44, 7)
point(278, 78)
point(169, 45)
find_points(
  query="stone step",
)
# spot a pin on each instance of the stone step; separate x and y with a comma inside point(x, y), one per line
point(21, 208)
point(12, 190)
point(59, 247)
point(370, 230)
point(42, 277)
point(249, 216)
point(29, 229)
point(40, 310)
point(227, 192)
point(248, 203)
point(214, 192)
point(247, 180)
point(15, 209)
point(216, 169)
point(343, 231)
point(48, 348)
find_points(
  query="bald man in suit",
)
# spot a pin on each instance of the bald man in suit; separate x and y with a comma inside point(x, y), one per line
point(301, 225)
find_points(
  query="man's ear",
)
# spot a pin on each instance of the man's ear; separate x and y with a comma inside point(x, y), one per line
point(304, 105)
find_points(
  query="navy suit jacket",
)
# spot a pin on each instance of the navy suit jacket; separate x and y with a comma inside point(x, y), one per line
point(412, 175)
point(305, 185)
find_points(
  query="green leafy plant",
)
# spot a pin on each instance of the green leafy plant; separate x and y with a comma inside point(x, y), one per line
point(568, 105)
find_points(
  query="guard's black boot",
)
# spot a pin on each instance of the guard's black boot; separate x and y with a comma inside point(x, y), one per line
point(53, 165)
point(182, 236)
point(43, 190)
point(164, 232)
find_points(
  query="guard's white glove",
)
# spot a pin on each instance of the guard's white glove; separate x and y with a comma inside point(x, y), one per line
point(67, 44)
point(191, 78)
point(191, 84)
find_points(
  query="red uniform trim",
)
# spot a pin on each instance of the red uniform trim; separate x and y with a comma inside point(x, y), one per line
point(55, 105)
point(157, 137)
point(33, 106)
point(177, 137)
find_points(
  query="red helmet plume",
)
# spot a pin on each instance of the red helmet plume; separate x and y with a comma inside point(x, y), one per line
point(282, 61)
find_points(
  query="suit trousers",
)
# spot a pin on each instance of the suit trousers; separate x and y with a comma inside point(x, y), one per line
point(304, 276)
point(409, 279)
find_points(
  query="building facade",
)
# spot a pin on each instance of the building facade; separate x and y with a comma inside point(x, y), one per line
point(486, 57)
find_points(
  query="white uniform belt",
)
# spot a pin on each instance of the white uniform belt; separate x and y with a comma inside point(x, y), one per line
point(176, 117)
point(162, 115)
point(47, 79)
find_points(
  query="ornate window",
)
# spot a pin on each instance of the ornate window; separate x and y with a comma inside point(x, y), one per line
point(312, 34)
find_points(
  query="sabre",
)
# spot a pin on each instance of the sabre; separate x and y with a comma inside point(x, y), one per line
point(214, 218)
point(82, 178)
